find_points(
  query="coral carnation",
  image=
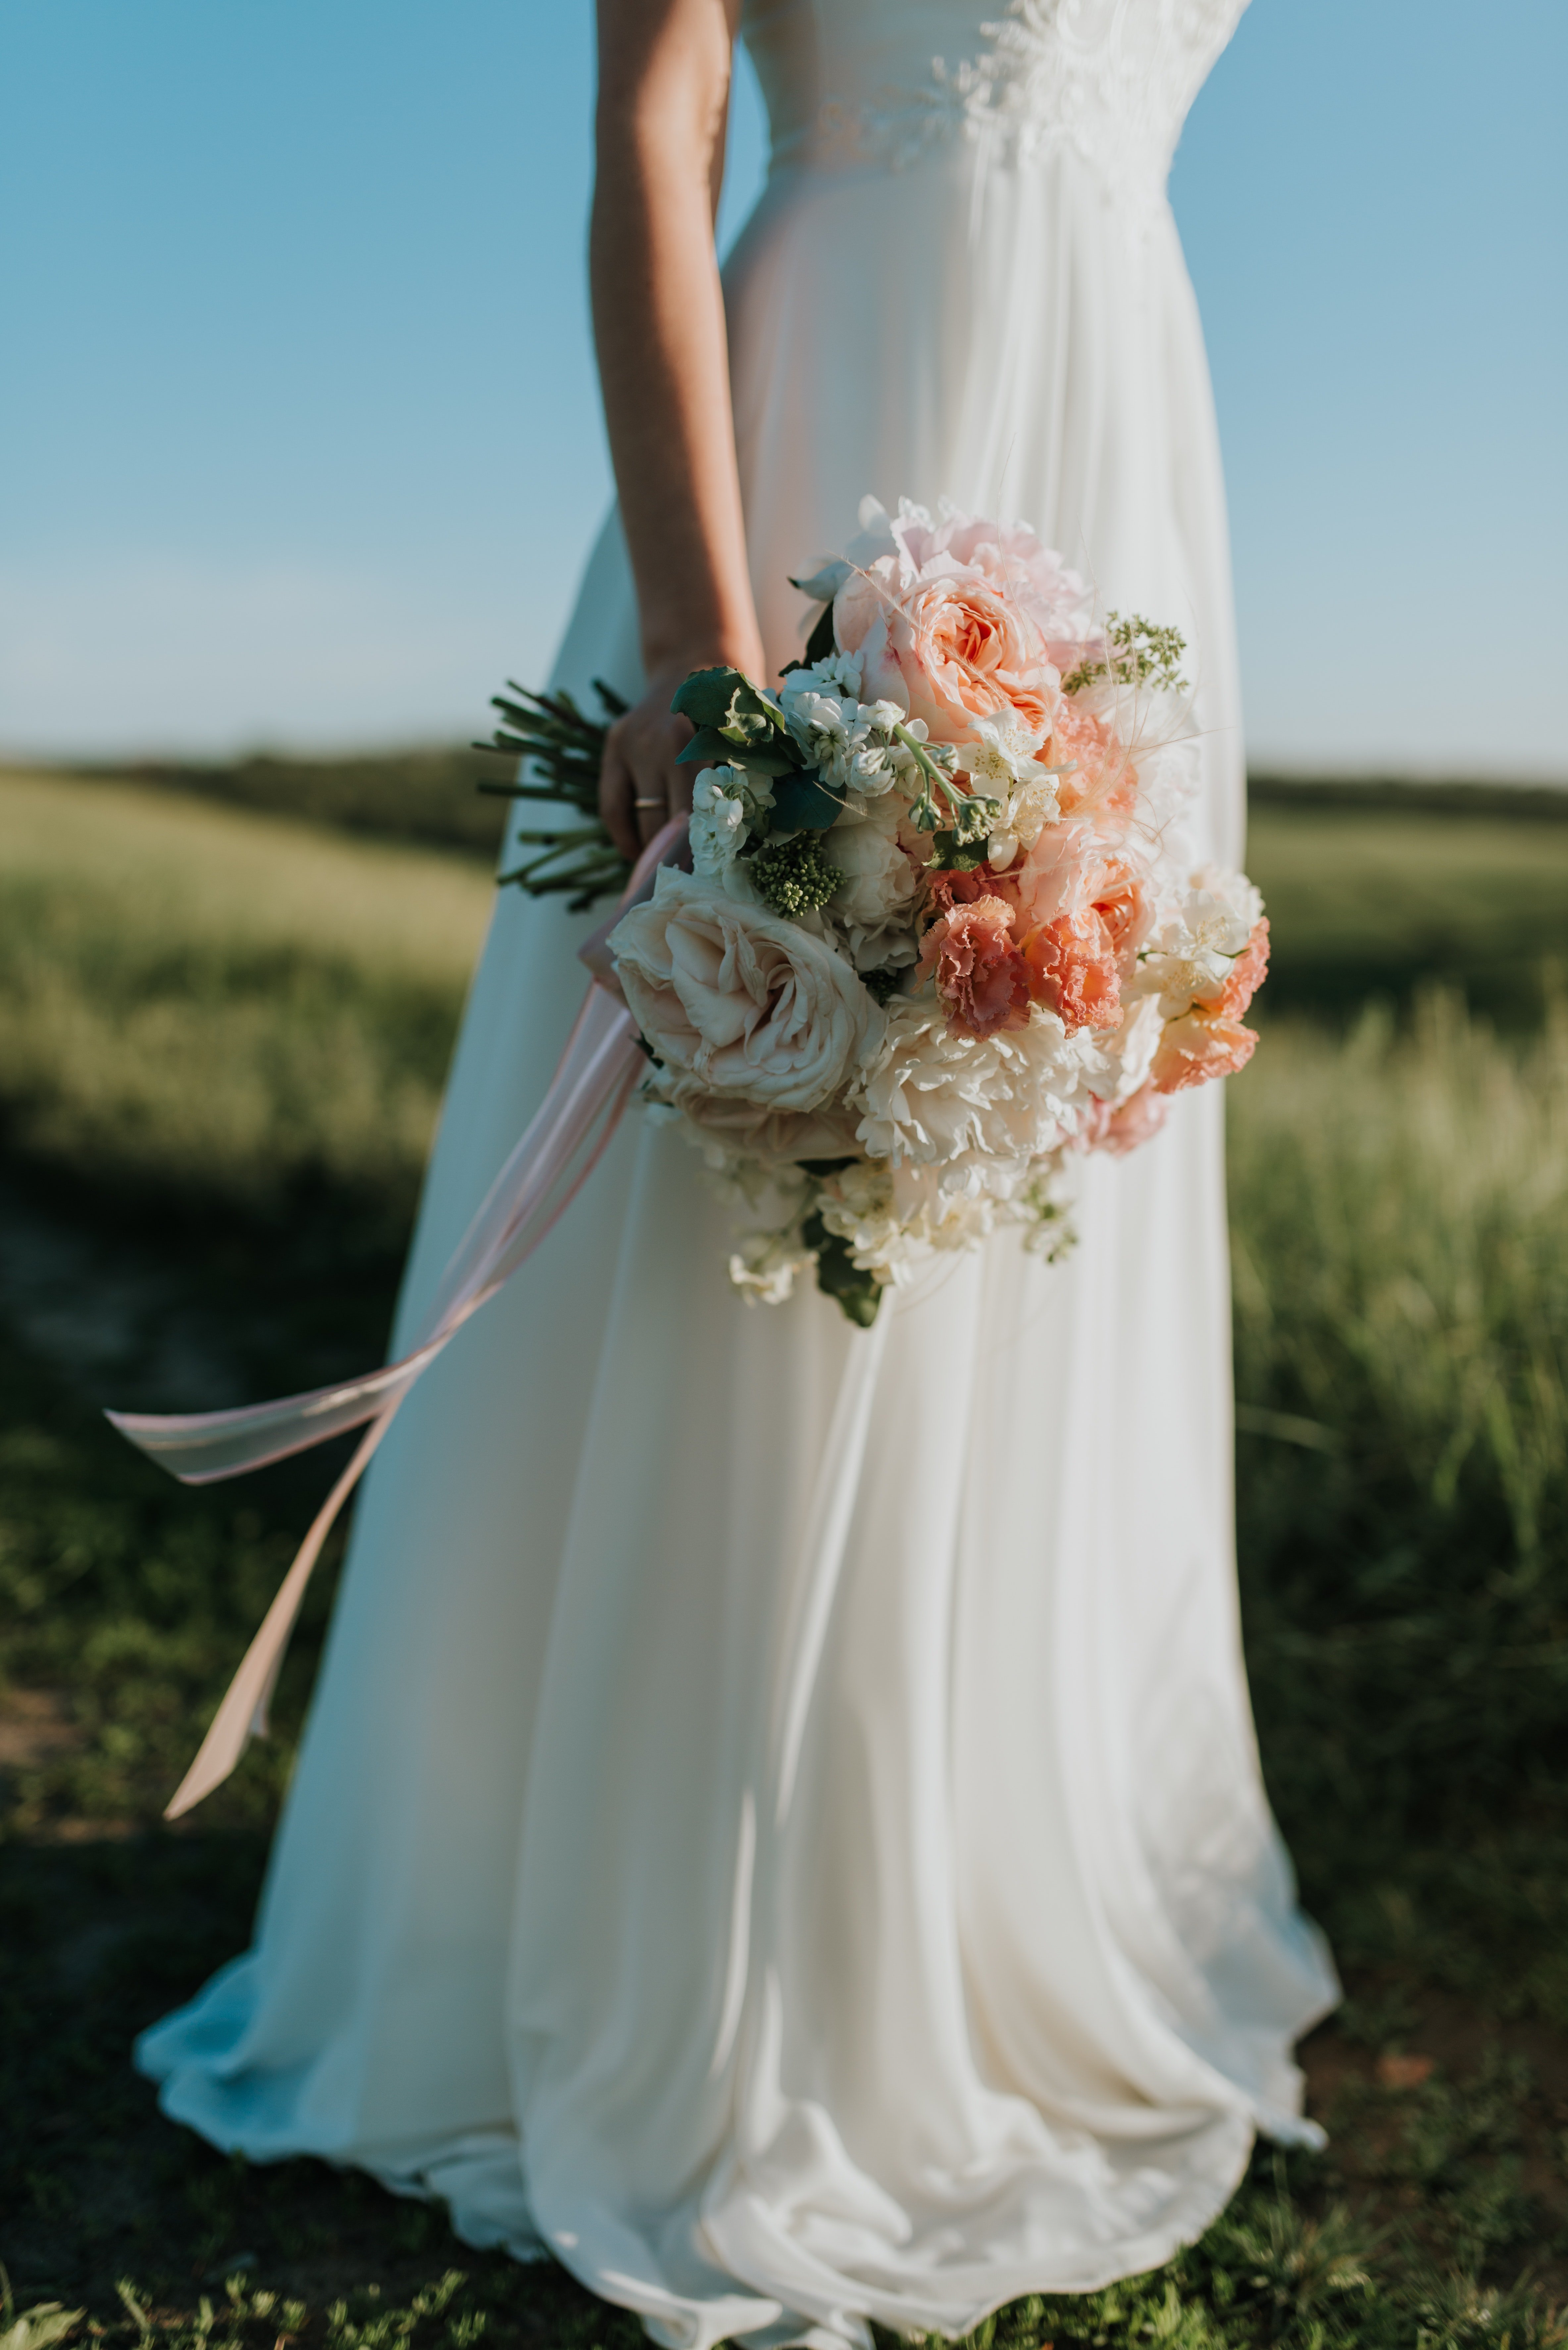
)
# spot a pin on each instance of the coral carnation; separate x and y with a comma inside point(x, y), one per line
point(1247, 974)
point(1072, 965)
point(1201, 1046)
point(980, 975)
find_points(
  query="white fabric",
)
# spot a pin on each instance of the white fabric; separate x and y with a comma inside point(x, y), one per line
point(780, 1822)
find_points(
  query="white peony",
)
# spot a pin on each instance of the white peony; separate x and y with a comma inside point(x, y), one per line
point(1129, 1050)
point(737, 1002)
point(927, 1096)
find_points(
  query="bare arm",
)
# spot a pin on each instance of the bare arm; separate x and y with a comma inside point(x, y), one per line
point(658, 321)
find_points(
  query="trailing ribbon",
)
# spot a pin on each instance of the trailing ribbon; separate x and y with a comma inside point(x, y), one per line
point(545, 1170)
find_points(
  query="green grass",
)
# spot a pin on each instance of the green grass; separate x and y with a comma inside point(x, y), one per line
point(221, 1037)
point(200, 1003)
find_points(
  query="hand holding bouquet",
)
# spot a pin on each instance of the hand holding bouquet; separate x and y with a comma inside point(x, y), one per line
point(940, 929)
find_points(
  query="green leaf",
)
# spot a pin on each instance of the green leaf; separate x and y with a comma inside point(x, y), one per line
point(956, 856)
point(857, 1293)
point(706, 695)
point(803, 803)
point(708, 748)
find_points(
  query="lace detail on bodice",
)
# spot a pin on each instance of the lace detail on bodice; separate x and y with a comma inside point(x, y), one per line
point(1112, 79)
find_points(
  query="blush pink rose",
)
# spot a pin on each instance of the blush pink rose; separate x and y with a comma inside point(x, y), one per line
point(1247, 974)
point(952, 647)
point(1203, 1043)
point(980, 975)
point(1072, 966)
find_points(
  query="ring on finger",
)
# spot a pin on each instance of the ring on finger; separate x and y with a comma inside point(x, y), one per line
point(647, 804)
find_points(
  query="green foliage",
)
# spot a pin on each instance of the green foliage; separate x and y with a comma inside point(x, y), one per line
point(857, 1294)
point(735, 725)
point(822, 643)
point(1141, 653)
point(556, 753)
point(793, 877)
point(803, 803)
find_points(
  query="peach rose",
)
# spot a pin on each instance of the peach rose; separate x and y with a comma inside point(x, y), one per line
point(1202, 1045)
point(952, 647)
point(1072, 966)
point(1008, 554)
point(980, 975)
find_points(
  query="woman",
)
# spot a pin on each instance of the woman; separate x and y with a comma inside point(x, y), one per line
point(780, 1824)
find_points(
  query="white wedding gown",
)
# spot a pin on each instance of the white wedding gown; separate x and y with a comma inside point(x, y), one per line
point(780, 1824)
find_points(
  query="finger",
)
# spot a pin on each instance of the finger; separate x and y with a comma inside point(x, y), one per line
point(615, 790)
point(651, 798)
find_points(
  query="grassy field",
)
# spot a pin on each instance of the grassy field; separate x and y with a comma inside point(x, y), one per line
point(221, 1034)
point(1381, 901)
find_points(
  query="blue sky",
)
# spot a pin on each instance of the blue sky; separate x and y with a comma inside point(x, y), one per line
point(299, 437)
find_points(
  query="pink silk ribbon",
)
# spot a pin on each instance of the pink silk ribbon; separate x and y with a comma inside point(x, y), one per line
point(546, 1167)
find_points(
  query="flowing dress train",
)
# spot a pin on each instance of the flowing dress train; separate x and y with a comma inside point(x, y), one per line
point(780, 1826)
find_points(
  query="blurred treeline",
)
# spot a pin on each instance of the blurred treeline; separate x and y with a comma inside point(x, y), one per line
point(1365, 896)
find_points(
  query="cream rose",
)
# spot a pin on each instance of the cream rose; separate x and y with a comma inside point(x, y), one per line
point(875, 903)
point(736, 1002)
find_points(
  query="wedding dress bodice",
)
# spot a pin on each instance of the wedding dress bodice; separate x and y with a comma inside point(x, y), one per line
point(889, 82)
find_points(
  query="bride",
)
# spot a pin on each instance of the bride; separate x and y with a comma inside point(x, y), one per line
point(780, 1827)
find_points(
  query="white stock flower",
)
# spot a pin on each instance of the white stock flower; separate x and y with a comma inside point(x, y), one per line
point(725, 803)
point(765, 1266)
point(849, 743)
point(737, 1002)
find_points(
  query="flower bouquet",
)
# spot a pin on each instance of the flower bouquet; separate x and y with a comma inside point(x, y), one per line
point(937, 931)
point(940, 930)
